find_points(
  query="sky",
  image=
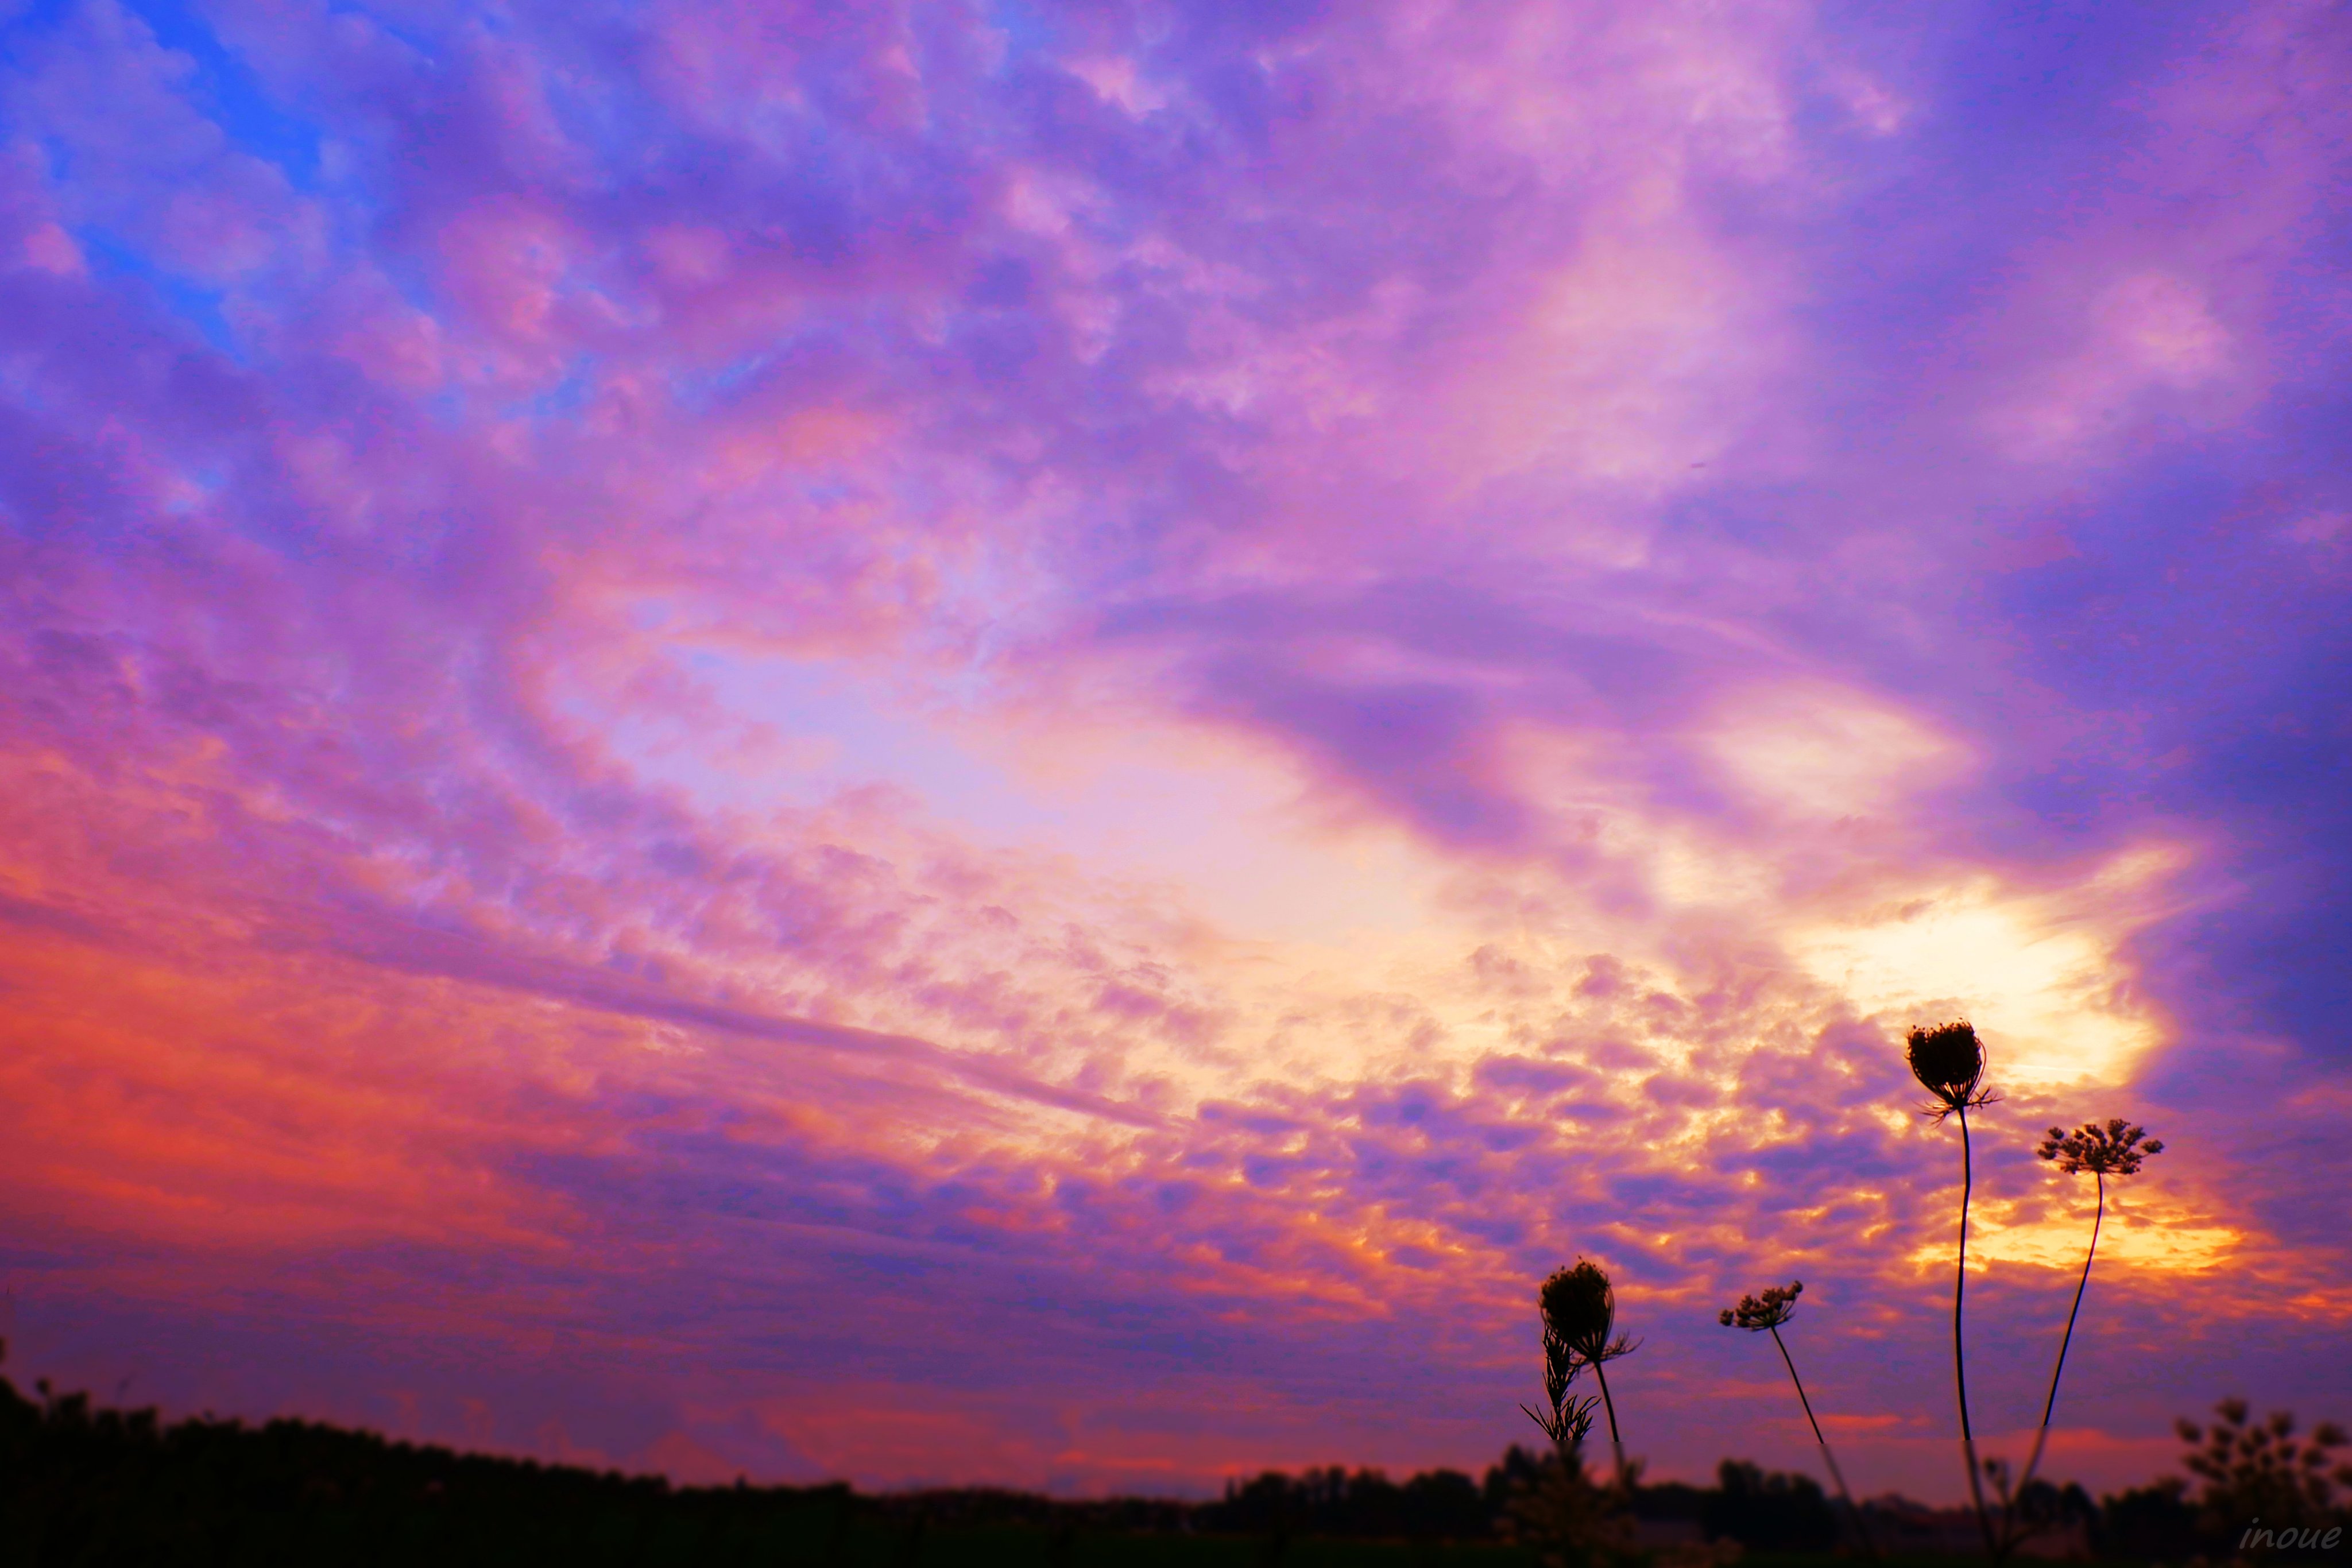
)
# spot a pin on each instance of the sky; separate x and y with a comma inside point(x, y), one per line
point(1029, 743)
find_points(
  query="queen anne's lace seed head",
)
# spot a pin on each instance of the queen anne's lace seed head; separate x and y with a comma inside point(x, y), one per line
point(1768, 1311)
point(2110, 1148)
point(1948, 1061)
point(1579, 1308)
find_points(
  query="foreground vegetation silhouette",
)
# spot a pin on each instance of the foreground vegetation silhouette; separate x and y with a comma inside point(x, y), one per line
point(2111, 1149)
point(1578, 1523)
point(80, 1484)
point(1767, 1313)
point(1948, 1061)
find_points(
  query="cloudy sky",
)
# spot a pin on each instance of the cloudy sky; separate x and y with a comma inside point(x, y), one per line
point(1016, 742)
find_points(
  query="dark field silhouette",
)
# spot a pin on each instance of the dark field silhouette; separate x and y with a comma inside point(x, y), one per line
point(83, 1484)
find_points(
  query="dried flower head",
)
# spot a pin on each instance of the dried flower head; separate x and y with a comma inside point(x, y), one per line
point(1579, 1309)
point(1768, 1311)
point(1950, 1061)
point(1570, 1418)
point(2109, 1148)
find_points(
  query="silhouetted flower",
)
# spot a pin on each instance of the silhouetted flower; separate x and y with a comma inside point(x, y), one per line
point(1570, 1419)
point(1765, 1314)
point(1579, 1309)
point(2113, 1148)
point(1950, 1061)
point(1768, 1311)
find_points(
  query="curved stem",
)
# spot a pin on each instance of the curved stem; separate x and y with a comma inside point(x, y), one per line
point(1960, 1353)
point(2098, 1217)
point(1615, 1443)
point(1829, 1458)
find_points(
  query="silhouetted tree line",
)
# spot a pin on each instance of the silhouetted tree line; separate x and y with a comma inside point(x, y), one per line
point(85, 1485)
point(1435, 1505)
point(80, 1484)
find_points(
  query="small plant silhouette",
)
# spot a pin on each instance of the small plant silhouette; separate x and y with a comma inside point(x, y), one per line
point(1579, 1311)
point(2112, 1148)
point(1948, 1061)
point(1561, 1512)
point(2259, 1474)
point(1765, 1314)
point(1567, 1520)
point(1570, 1418)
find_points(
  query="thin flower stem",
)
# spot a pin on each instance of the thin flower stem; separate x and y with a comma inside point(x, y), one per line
point(1827, 1457)
point(1615, 1443)
point(1960, 1353)
point(2098, 1216)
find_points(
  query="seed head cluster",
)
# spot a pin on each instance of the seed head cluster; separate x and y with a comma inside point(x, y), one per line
point(2109, 1148)
point(1768, 1311)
